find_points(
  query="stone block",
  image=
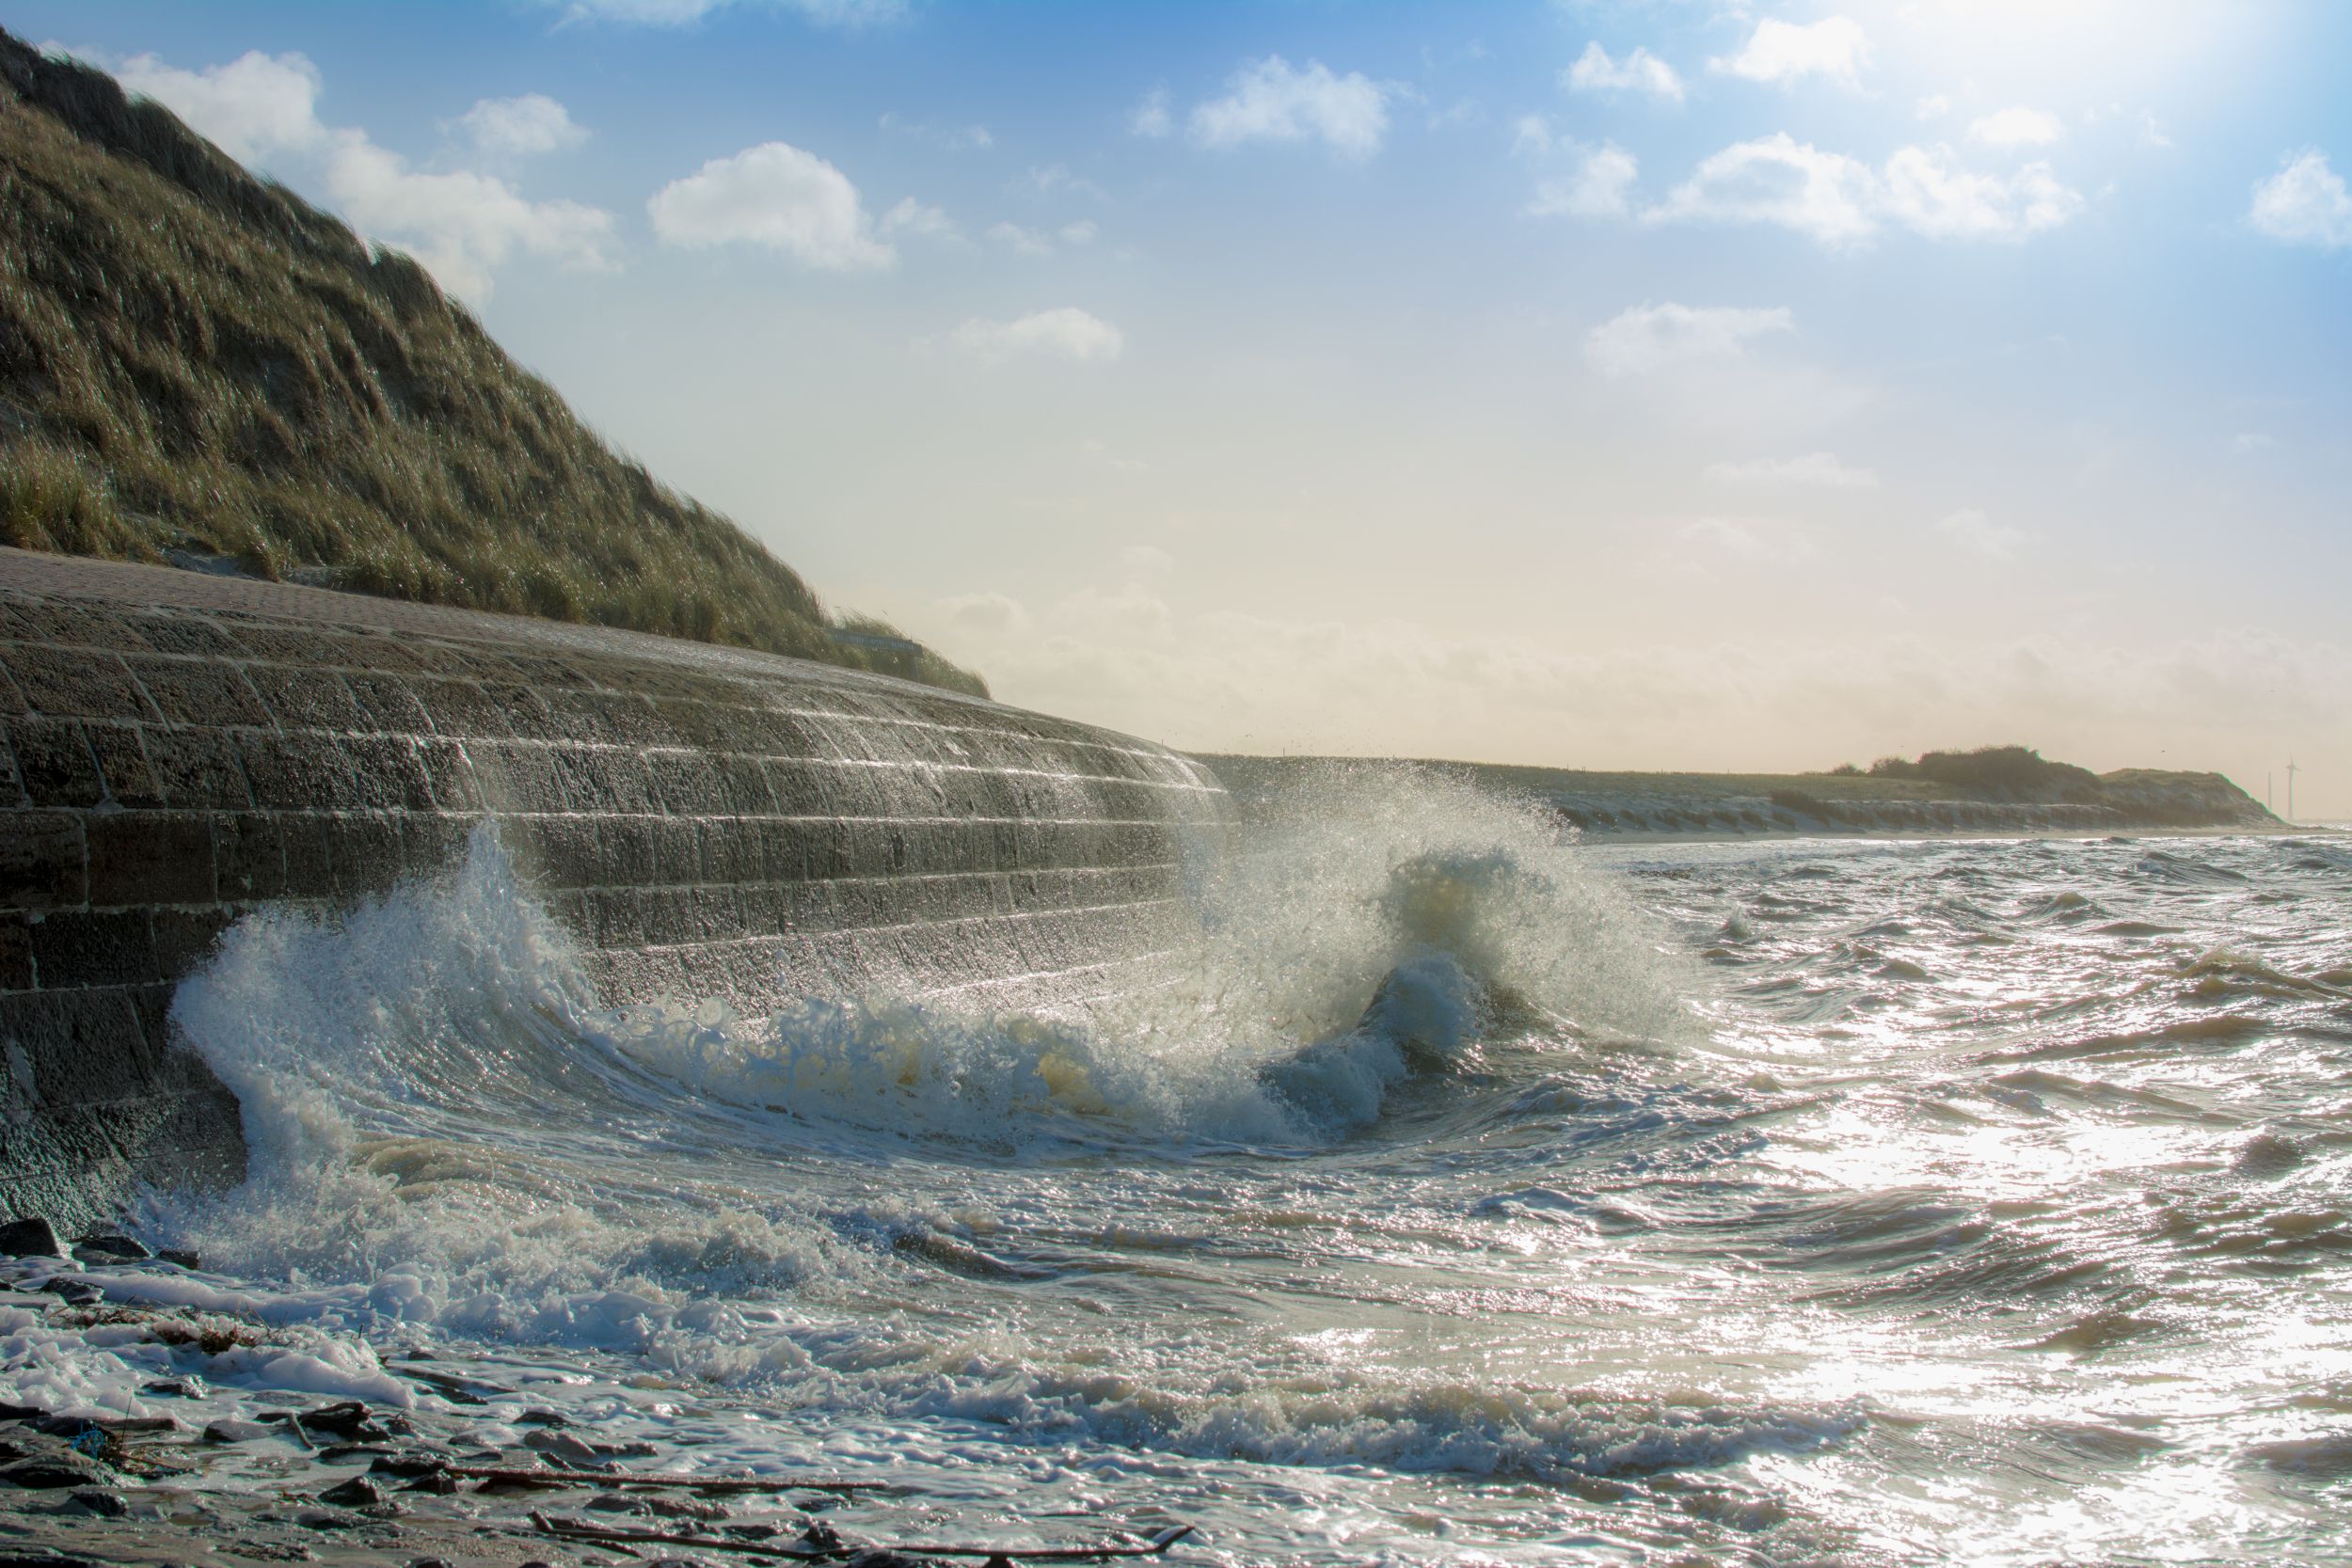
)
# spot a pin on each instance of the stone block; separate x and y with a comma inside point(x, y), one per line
point(515, 777)
point(43, 861)
point(189, 691)
point(669, 914)
point(632, 855)
point(434, 842)
point(449, 775)
point(305, 699)
point(730, 851)
point(53, 763)
point(185, 940)
point(463, 710)
point(249, 857)
point(614, 918)
point(560, 851)
point(196, 768)
point(686, 784)
point(121, 757)
point(150, 857)
point(183, 633)
point(77, 948)
point(307, 840)
point(391, 703)
point(783, 850)
point(365, 850)
point(75, 683)
point(299, 772)
point(719, 914)
point(678, 851)
point(386, 773)
point(16, 953)
point(799, 788)
point(50, 621)
point(602, 780)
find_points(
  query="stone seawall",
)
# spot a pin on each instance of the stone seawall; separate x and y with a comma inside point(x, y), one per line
point(182, 749)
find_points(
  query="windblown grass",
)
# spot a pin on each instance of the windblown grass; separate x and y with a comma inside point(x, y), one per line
point(194, 359)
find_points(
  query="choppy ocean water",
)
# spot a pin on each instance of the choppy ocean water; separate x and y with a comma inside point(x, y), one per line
point(1477, 1194)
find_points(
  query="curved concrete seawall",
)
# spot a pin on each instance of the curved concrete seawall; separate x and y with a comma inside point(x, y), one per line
point(182, 749)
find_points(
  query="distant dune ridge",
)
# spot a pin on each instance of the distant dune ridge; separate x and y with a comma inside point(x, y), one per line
point(196, 366)
point(1995, 789)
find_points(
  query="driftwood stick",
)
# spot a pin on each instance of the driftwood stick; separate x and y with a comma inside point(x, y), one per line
point(565, 1529)
point(1157, 1547)
point(621, 1479)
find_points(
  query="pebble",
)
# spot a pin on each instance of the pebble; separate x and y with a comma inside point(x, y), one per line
point(358, 1492)
point(110, 1249)
point(235, 1431)
point(106, 1504)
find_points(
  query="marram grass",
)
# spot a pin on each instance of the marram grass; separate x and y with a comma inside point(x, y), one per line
point(194, 359)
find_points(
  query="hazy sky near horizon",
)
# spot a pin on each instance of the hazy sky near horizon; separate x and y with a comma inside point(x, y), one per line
point(1607, 383)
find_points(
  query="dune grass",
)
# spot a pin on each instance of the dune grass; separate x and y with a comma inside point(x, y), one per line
point(194, 359)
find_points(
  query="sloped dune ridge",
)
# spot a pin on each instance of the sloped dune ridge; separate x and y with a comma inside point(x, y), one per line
point(197, 365)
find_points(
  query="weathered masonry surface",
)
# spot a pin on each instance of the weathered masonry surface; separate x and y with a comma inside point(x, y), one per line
point(180, 750)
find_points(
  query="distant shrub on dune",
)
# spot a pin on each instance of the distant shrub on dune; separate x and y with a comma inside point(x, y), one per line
point(193, 359)
point(2004, 772)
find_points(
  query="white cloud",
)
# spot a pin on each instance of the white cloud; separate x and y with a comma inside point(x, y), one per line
point(2304, 204)
point(1067, 333)
point(1971, 530)
point(911, 217)
point(1151, 117)
point(521, 127)
point(2017, 126)
point(1654, 337)
point(1046, 180)
point(682, 13)
point(1750, 541)
point(1145, 560)
point(1601, 186)
point(2246, 443)
point(255, 106)
point(1035, 241)
point(462, 225)
point(955, 138)
point(1786, 51)
point(1778, 180)
point(990, 615)
point(1933, 106)
point(1838, 201)
point(1819, 470)
point(1928, 192)
point(1640, 71)
point(1268, 100)
point(777, 196)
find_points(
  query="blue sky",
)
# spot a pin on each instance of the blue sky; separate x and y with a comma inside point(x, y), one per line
point(1625, 383)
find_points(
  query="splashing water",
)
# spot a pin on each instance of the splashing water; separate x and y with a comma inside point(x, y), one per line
point(1468, 1192)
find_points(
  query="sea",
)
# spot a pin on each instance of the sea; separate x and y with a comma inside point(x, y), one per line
point(1473, 1192)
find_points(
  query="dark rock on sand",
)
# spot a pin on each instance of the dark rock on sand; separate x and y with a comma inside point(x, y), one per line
point(51, 1472)
point(358, 1492)
point(110, 1247)
point(29, 1238)
point(106, 1504)
point(235, 1431)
